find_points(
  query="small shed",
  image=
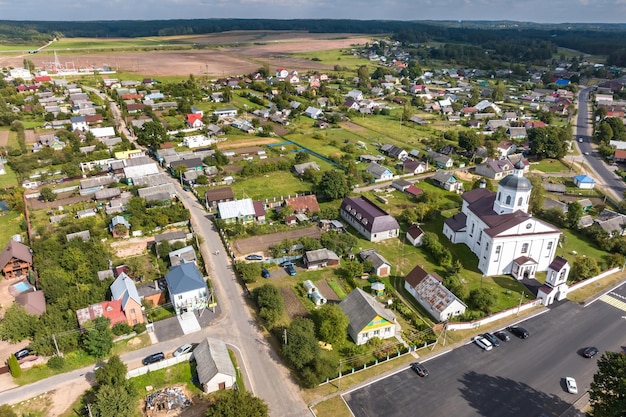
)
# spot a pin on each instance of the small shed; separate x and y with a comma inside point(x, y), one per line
point(309, 287)
point(317, 298)
point(584, 181)
point(378, 289)
point(214, 367)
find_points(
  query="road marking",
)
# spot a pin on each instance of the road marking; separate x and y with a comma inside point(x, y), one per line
point(614, 294)
point(613, 302)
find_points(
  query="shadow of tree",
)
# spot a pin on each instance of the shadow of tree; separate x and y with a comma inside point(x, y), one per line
point(503, 397)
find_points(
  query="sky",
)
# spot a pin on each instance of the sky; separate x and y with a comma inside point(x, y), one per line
point(539, 11)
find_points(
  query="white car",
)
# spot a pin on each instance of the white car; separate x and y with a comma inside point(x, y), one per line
point(182, 350)
point(580, 140)
point(483, 343)
point(570, 383)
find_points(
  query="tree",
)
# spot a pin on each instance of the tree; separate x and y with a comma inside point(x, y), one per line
point(537, 194)
point(114, 401)
point(249, 271)
point(468, 140)
point(606, 393)
point(301, 347)
point(112, 373)
point(270, 302)
point(302, 157)
point(549, 142)
point(236, 403)
point(46, 194)
point(334, 185)
point(574, 214)
point(482, 299)
point(98, 338)
point(17, 324)
point(152, 134)
point(364, 75)
point(351, 269)
point(331, 323)
point(585, 267)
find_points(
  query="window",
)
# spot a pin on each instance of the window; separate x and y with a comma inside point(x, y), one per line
point(358, 216)
point(525, 248)
point(519, 201)
point(472, 231)
point(549, 245)
point(549, 249)
point(497, 257)
point(508, 199)
point(348, 207)
point(499, 195)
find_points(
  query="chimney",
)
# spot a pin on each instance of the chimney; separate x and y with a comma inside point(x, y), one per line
point(483, 184)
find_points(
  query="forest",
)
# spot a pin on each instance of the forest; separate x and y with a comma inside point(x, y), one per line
point(597, 39)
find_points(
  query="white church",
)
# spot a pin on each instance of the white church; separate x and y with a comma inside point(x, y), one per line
point(499, 230)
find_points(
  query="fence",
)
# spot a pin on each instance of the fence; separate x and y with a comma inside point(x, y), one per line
point(505, 313)
point(399, 353)
point(158, 365)
point(588, 281)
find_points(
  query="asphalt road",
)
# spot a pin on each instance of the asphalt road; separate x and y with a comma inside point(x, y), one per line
point(521, 378)
point(602, 173)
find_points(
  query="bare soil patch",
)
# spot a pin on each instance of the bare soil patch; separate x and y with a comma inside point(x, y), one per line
point(132, 247)
point(4, 137)
point(246, 143)
point(327, 292)
point(353, 127)
point(30, 136)
point(259, 48)
point(264, 243)
point(293, 305)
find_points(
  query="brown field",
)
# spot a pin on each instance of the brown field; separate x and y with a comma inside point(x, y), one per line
point(4, 137)
point(293, 305)
point(327, 292)
point(265, 242)
point(257, 48)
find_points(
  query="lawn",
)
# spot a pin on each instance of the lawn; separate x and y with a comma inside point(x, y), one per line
point(341, 57)
point(274, 184)
point(549, 165)
point(9, 179)
point(10, 224)
point(181, 373)
point(574, 245)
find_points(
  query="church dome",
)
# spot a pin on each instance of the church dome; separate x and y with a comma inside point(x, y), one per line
point(514, 182)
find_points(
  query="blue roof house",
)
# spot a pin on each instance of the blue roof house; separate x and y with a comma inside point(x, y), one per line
point(187, 288)
point(584, 181)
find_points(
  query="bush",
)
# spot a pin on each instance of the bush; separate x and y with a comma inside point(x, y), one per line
point(56, 362)
point(139, 328)
point(14, 366)
point(121, 328)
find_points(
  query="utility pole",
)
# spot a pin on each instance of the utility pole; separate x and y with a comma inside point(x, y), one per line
point(54, 339)
point(339, 381)
point(521, 297)
point(285, 335)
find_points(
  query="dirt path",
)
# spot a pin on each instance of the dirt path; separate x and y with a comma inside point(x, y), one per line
point(246, 143)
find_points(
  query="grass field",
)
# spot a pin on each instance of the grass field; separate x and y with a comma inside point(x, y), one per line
point(274, 184)
point(549, 166)
point(341, 57)
point(10, 224)
point(9, 179)
point(99, 43)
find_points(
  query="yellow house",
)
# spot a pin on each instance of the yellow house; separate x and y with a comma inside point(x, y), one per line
point(128, 154)
point(368, 317)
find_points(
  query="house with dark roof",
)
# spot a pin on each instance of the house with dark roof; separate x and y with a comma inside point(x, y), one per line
point(379, 172)
point(368, 318)
point(441, 161)
point(300, 169)
point(368, 219)
point(447, 181)
point(187, 288)
point(186, 254)
point(415, 235)
point(499, 231)
point(495, 169)
point(214, 367)
point(394, 151)
point(320, 258)
point(16, 260)
point(429, 291)
point(123, 289)
point(214, 196)
point(380, 266)
point(409, 166)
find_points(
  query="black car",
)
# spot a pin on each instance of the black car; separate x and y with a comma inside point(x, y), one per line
point(519, 332)
point(254, 257)
point(420, 369)
point(265, 273)
point(502, 336)
point(494, 340)
point(154, 358)
point(590, 352)
point(22, 353)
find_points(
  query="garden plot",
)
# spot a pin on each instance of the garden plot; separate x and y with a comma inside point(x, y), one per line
point(293, 305)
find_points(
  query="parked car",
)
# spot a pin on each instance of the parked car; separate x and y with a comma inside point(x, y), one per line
point(519, 332)
point(483, 343)
point(420, 369)
point(290, 269)
point(570, 383)
point(285, 263)
point(254, 257)
point(492, 339)
point(590, 352)
point(265, 273)
point(22, 353)
point(580, 140)
point(186, 348)
point(502, 336)
point(154, 358)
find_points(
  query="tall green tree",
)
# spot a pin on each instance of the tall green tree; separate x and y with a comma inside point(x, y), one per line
point(585, 267)
point(17, 324)
point(574, 214)
point(301, 347)
point(482, 299)
point(607, 390)
point(98, 338)
point(112, 373)
point(334, 185)
point(364, 75)
point(331, 323)
point(270, 302)
point(236, 403)
point(114, 401)
point(152, 134)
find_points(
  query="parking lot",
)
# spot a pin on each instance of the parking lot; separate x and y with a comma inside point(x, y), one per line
point(520, 378)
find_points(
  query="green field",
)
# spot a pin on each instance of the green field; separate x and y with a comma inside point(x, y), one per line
point(10, 224)
point(99, 43)
point(342, 57)
point(549, 165)
point(273, 184)
point(9, 179)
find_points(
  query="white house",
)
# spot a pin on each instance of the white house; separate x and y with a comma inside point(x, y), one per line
point(215, 369)
point(584, 181)
point(187, 288)
point(103, 132)
point(430, 292)
point(224, 113)
point(313, 112)
point(379, 172)
point(380, 266)
point(499, 231)
point(555, 287)
point(368, 219)
point(197, 141)
point(79, 123)
point(415, 235)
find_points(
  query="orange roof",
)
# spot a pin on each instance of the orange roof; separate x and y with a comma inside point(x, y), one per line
point(192, 117)
point(620, 154)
